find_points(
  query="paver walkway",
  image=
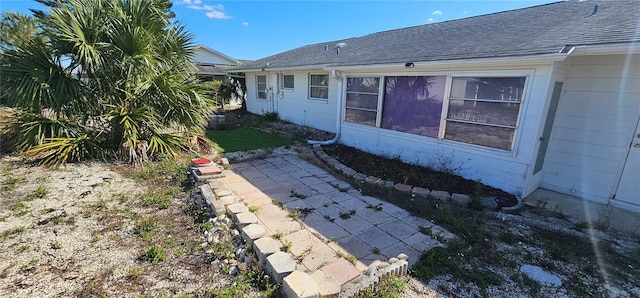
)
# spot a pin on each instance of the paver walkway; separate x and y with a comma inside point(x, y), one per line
point(369, 229)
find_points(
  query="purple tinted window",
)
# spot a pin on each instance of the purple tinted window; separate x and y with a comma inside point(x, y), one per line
point(413, 104)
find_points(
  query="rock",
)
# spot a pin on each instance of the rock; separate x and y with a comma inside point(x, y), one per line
point(403, 188)
point(460, 199)
point(540, 275)
point(248, 261)
point(300, 285)
point(233, 270)
point(489, 203)
point(420, 192)
point(440, 195)
point(327, 286)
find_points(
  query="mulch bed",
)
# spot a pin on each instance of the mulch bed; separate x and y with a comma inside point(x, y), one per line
point(400, 172)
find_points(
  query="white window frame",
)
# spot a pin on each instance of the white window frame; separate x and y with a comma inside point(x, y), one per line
point(258, 90)
point(507, 73)
point(379, 103)
point(314, 86)
point(445, 109)
point(282, 86)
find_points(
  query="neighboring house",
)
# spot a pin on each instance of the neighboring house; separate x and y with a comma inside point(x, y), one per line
point(212, 65)
point(541, 97)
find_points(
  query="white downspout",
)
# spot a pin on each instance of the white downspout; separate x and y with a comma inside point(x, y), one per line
point(338, 77)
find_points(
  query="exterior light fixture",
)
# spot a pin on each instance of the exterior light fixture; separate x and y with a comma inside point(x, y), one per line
point(409, 65)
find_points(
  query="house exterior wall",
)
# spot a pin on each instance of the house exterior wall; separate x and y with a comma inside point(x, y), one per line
point(294, 105)
point(202, 56)
point(507, 170)
point(596, 117)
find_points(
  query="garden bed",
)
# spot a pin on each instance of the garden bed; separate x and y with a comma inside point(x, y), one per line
point(401, 172)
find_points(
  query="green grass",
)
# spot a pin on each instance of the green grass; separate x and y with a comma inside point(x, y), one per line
point(242, 139)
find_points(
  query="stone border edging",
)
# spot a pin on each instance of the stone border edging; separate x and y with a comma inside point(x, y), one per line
point(413, 191)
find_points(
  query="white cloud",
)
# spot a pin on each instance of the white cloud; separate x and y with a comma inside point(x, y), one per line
point(430, 20)
point(436, 13)
point(211, 11)
point(246, 24)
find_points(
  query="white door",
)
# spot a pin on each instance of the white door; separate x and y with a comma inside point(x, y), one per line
point(629, 187)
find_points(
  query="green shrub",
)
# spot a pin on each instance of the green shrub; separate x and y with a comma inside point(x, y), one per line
point(154, 254)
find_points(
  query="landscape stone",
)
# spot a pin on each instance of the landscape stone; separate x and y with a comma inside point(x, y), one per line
point(225, 163)
point(359, 177)
point(540, 275)
point(216, 184)
point(222, 192)
point(279, 265)
point(237, 208)
point(252, 232)
point(265, 247)
point(209, 170)
point(228, 200)
point(374, 180)
point(460, 199)
point(299, 285)
point(489, 203)
point(341, 271)
point(440, 195)
point(403, 188)
point(207, 194)
point(327, 286)
point(420, 192)
point(246, 218)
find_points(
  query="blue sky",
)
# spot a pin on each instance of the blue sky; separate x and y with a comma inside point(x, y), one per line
point(257, 29)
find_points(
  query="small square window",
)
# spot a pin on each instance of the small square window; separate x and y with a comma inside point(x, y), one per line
point(287, 81)
point(319, 86)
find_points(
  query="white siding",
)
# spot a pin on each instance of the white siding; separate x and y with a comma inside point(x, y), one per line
point(295, 105)
point(206, 57)
point(502, 169)
point(596, 117)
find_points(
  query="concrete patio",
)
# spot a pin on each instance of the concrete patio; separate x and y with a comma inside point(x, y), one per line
point(329, 230)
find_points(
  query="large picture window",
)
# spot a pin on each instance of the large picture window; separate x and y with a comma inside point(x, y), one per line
point(413, 104)
point(261, 86)
point(479, 110)
point(319, 86)
point(484, 110)
point(362, 100)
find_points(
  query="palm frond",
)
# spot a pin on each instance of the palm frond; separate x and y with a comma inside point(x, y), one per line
point(57, 151)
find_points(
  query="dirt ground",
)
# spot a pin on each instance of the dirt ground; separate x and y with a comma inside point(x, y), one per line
point(83, 230)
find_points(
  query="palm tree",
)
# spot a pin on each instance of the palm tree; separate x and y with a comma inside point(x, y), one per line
point(102, 78)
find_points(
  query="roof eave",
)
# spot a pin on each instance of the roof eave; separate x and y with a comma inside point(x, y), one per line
point(511, 60)
point(271, 68)
point(632, 47)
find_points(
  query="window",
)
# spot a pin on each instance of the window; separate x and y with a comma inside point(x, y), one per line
point(319, 86)
point(261, 86)
point(362, 100)
point(413, 104)
point(287, 81)
point(484, 110)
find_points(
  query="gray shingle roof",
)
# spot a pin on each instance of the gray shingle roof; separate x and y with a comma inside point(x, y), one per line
point(543, 29)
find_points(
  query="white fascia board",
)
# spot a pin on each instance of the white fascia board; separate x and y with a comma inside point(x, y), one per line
point(304, 67)
point(618, 48)
point(516, 60)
